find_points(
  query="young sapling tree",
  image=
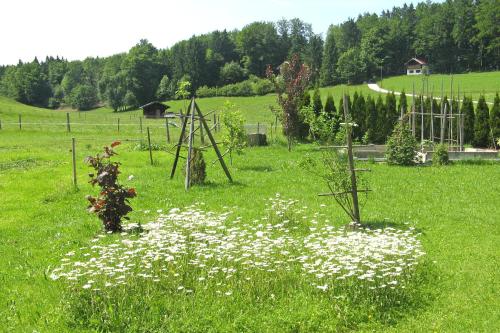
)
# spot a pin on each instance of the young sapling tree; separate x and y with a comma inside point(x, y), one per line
point(290, 87)
point(111, 205)
point(234, 137)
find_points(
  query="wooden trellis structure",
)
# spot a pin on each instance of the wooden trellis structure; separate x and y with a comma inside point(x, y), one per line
point(193, 115)
point(451, 122)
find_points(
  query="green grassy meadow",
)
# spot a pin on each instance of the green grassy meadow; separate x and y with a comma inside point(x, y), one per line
point(471, 84)
point(43, 217)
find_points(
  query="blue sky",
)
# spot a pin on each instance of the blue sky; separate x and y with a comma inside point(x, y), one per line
point(76, 29)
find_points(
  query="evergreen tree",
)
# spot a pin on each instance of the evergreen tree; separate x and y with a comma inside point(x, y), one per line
point(330, 109)
point(359, 116)
point(482, 125)
point(370, 120)
point(495, 119)
point(391, 115)
point(469, 118)
point(317, 104)
point(379, 134)
point(306, 100)
point(403, 103)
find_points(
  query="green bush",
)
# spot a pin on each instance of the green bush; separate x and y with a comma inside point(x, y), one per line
point(252, 87)
point(440, 156)
point(206, 91)
point(401, 146)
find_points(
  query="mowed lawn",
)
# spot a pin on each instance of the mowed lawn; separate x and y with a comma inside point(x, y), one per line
point(471, 84)
point(42, 216)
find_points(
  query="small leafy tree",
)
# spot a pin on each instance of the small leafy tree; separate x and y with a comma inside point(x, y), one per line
point(337, 176)
point(111, 205)
point(234, 137)
point(401, 146)
point(183, 89)
point(290, 88)
point(482, 125)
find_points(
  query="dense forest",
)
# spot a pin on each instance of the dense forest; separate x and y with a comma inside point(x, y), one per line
point(453, 36)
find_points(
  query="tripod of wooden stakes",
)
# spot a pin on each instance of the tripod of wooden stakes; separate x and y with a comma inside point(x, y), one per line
point(193, 115)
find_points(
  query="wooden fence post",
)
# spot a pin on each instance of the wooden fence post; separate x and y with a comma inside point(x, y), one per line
point(20, 123)
point(150, 150)
point(140, 123)
point(118, 125)
point(73, 152)
point(168, 130)
point(68, 127)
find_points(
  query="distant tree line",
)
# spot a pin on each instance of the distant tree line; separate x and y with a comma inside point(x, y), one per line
point(453, 36)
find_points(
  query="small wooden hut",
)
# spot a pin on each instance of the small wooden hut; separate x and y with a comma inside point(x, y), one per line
point(154, 110)
point(416, 66)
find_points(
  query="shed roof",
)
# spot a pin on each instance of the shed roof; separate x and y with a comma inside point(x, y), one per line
point(154, 103)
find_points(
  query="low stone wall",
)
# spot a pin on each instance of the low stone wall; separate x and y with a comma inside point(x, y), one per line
point(468, 155)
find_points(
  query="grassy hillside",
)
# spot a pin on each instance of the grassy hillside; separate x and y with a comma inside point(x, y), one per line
point(42, 217)
point(471, 84)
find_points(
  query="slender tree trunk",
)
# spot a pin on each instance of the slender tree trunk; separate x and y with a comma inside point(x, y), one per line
point(289, 143)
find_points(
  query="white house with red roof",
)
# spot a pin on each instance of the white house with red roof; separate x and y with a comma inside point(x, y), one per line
point(416, 66)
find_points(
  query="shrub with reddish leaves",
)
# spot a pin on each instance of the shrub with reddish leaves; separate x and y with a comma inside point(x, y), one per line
point(111, 205)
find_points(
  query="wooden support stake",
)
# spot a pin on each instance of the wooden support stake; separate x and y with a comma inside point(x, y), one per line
point(149, 146)
point(413, 112)
point(354, 186)
point(20, 123)
point(68, 127)
point(179, 145)
point(443, 124)
point(73, 153)
point(140, 123)
point(214, 144)
point(118, 120)
point(168, 130)
point(187, 183)
point(432, 116)
point(258, 128)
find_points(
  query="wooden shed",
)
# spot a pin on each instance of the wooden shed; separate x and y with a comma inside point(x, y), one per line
point(416, 66)
point(154, 110)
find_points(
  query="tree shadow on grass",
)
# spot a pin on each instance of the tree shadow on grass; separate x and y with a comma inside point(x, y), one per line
point(377, 224)
point(257, 168)
point(212, 184)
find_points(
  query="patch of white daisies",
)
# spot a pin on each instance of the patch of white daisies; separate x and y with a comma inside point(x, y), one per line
point(216, 249)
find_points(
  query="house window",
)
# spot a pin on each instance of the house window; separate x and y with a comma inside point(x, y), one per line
point(417, 71)
point(410, 71)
